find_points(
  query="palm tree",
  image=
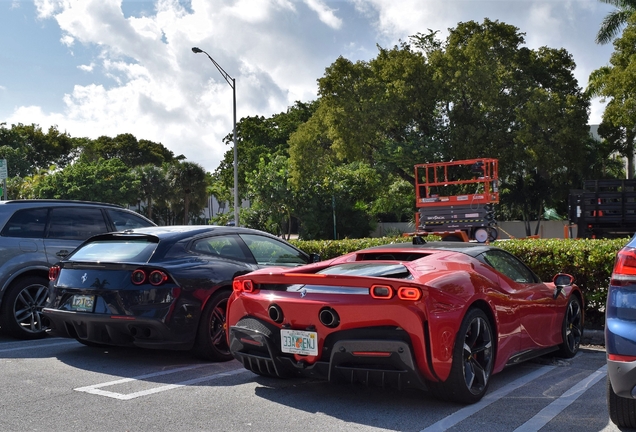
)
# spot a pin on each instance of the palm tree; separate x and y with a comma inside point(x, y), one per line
point(615, 20)
point(188, 179)
point(152, 183)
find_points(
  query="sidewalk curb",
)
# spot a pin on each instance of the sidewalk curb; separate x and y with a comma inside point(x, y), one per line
point(593, 337)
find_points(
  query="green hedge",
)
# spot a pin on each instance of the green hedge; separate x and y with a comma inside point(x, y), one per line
point(589, 261)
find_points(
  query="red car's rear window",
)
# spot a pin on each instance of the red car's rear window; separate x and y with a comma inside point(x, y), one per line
point(391, 256)
point(369, 269)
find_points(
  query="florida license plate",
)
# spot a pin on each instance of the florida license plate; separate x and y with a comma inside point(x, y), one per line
point(82, 303)
point(299, 342)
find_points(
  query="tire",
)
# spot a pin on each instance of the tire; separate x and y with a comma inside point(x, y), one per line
point(211, 341)
point(572, 328)
point(21, 313)
point(622, 411)
point(493, 234)
point(473, 360)
point(481, 235)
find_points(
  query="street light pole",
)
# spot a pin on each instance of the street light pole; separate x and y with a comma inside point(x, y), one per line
point(232, 82)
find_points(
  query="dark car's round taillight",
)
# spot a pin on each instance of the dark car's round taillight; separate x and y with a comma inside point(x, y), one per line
point(54, 272)
point(157, 277)
point(138, 277)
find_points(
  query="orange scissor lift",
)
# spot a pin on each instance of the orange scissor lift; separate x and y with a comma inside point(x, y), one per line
point(456, 199)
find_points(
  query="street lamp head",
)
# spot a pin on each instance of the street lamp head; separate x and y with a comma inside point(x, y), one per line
point(196, 50)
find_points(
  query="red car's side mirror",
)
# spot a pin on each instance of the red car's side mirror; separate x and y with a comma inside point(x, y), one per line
point(560, 281)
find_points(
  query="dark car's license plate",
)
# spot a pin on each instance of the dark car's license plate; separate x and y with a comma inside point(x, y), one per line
point(82, 303)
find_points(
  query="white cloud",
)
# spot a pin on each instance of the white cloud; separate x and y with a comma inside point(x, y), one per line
point(48, 8)
point(325, 14)
point(87, 68)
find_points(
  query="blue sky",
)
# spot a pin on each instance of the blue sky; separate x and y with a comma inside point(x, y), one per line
point(105, 67)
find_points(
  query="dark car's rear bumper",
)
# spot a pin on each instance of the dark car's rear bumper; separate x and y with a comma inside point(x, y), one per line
point(372, 356)
point(117, 330)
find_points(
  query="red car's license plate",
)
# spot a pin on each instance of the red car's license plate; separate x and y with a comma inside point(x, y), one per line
point(299, 342)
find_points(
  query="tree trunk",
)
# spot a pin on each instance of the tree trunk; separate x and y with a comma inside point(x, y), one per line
point(630, 162)
point(186, 204)
point(289, 226)
point(536, 229)
point(526, 220)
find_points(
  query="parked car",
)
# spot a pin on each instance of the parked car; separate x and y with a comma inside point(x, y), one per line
point(160, 287)
point(443, 316)
point(34, 235)
point(620, 338)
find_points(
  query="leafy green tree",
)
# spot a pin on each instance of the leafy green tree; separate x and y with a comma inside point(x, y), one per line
point(272, 202)
point(395, 203)
point(105, 180)
point(259, 136)
point(27, 148)
point(615, 20)
point(601, 162)
point(345, 193)
point(382, 112)
point(129, 150)
point(616, 83)
point(521, 106)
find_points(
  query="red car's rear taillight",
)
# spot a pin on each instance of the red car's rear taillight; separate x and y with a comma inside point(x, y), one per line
point(384, 292)
point(624, 272)
point(54, 272)
point(243, 285)
point(409, 293)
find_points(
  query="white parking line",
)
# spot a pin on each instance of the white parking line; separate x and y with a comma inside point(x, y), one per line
point(38, 346)
point(468, 411)
point(96, 389)
point(544, 416)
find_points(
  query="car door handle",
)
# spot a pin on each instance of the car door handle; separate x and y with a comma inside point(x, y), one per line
point(62, 253)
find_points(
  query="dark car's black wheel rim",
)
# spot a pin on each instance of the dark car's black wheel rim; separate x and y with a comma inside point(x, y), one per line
point(477, 355)
point(573, 325)
point(27, 308)
point(218, 327)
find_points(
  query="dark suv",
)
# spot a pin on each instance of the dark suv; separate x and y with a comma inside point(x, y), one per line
point(34, 235)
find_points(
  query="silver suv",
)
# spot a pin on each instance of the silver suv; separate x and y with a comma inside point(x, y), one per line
point(34, 235)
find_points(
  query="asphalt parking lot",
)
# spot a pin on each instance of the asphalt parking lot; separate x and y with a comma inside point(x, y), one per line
point(60, 385)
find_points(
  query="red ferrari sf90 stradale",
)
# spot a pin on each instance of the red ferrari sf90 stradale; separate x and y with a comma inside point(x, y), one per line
point(440, 316)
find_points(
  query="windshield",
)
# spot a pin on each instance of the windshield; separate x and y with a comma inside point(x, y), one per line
point(138, 250)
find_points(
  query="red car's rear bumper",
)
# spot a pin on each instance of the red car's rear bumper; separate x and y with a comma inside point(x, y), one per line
point(373, 356)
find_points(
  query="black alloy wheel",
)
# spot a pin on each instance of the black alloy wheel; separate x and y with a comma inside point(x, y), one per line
point(477, 356)
point(473, 361)
point(211, 342)
point(572, 330)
